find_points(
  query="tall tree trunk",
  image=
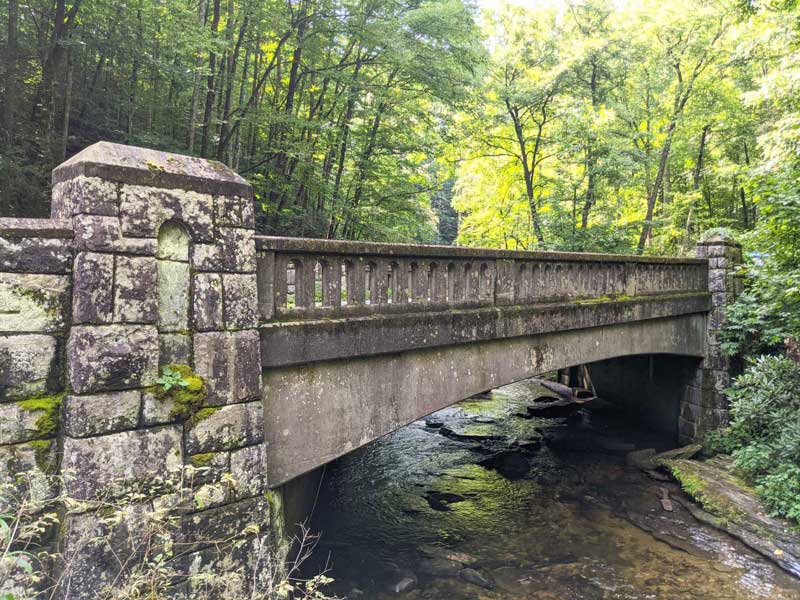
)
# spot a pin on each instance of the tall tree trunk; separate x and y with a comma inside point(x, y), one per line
point(67, 108)
point(591, 157)
point(210, 89)
point(10, 100)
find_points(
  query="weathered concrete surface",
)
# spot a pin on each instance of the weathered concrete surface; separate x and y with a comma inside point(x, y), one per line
point(317, 412)
point(300, 342)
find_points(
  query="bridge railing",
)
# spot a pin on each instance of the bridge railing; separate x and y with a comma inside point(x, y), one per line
point(310, 279)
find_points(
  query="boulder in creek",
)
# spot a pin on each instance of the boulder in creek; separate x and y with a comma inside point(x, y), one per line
point(475, 578)
point(442, 500)
point(439, 567)
point(475, 434)
point(685, 452)
point(433, 551)
point(546, 399)
point(403, 585)
point(511, 464)
point(642, 459)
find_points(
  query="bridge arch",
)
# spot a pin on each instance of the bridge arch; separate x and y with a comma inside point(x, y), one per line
point(340, 405)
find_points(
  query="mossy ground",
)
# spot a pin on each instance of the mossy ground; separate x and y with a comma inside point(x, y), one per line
point(697, 487)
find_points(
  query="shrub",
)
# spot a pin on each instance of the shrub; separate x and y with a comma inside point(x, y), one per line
point(764, 436)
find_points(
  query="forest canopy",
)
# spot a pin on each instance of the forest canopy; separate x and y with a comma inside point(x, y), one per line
point(585, 125)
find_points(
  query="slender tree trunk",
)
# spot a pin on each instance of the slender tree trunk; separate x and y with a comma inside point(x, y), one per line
point(210, 89)
point(591, 158)
point(10, 100)
point(67, 108)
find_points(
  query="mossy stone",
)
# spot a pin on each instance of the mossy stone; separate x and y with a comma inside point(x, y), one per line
point(50, 406)
point(186, 399)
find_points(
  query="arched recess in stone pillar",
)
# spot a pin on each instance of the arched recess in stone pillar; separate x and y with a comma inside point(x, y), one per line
point(174, 289)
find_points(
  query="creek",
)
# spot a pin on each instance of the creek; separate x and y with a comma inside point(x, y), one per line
point(476, 501)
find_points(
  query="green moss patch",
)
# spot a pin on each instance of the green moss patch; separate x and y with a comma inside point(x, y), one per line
point(202, 415)
point(186, 398)
point(202, 460)
point(50, 407)
point(710, 493)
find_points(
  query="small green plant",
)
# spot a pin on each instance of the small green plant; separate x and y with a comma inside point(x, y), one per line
point(171, 378)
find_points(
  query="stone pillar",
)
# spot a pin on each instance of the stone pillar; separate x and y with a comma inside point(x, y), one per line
point(164, 273)
point(705, 406)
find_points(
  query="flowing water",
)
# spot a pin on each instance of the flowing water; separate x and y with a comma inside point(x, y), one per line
point(565, 520)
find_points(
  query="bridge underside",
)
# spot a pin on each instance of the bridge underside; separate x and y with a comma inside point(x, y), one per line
point(318, 411)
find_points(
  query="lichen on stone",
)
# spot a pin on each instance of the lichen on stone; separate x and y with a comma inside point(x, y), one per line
point(50, 406)
point(186, 399)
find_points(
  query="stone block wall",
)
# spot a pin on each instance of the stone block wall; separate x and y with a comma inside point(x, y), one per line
point(35, 297)
point(148, 260)
point(705, 406)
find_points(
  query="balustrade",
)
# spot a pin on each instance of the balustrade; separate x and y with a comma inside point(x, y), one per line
point(307, 279)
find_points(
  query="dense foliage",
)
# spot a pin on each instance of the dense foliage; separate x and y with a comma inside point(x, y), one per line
point(764, 436)
point(578, 125)
point(333, 109)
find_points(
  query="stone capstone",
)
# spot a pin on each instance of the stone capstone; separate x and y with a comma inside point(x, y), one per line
point(112, 357)
point(113, 465)
point(99, 414)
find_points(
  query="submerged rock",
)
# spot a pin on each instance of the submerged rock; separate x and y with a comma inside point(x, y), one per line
point(475, 435)
point(484, 420)
point(440, 567)
point(450, 555)
point(472, 576)
point(404, 585)
point(546, 399)
point(442, 500)
point(511, 464)
point(642, 459)
point(434, 423)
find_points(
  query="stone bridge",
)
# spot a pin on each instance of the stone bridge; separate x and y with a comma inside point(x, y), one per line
point(307, 349)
